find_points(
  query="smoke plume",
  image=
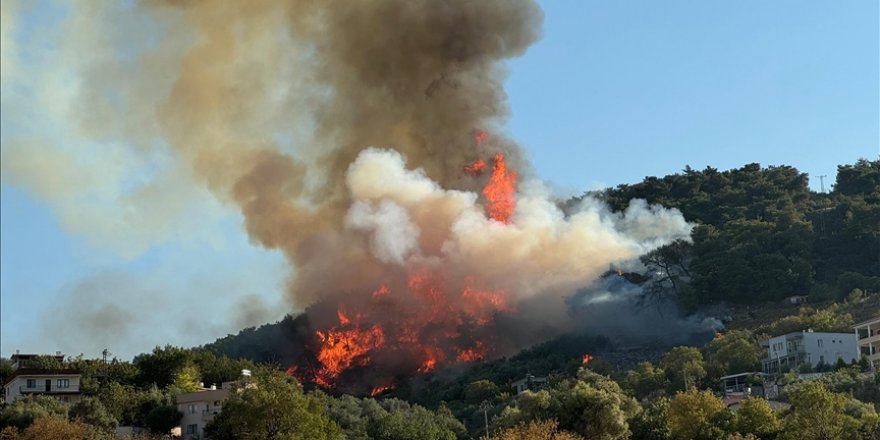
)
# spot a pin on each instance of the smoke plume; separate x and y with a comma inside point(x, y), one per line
point(362, 140)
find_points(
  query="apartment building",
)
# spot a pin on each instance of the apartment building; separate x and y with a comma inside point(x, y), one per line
point(199, 407)
point(28, 379)
point(868, 339)
point(790, 351)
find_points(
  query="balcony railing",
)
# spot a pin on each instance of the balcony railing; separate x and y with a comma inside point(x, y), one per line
point(42, 389)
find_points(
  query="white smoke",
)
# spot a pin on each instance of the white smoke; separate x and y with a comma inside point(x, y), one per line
point(407, 218)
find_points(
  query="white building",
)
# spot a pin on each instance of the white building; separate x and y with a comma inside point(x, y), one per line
point(199, 408)
point(868, 338)
point(788, 352)
point(530, 383)
point(62, 384)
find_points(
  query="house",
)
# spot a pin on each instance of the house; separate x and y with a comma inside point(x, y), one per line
point(868, 340)
point(28, 379)
point(200, 407)
point(529, 383)
point(790, 351)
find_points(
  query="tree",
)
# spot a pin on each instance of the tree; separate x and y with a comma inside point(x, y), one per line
point(692, 412)
point(734, 352)
point(645, 379)
point(160, 366)
point(756, 417)
point(216, 369)
point(186, 379)
point(161, 419)
point(652, 423)
point(669, 266)
point(56, 428)
point(271, 406)
point(352, 414)
point(825, 320)
point(91, 411)
point(862, 178)
point(684, 366)
point(593, 406)
point(818, 414)
point(5, 369)
point(413, 423)
point(478, 391)
point(535, 430)
point(26, 409)
point(45, 362)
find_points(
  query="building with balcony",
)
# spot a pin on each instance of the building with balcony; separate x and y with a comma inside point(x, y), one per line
point(62, 384)
point(868, 340)
point(791, 351)
point(199, 407)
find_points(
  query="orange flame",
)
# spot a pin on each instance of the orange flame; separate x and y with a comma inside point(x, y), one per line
point(340, 349)
point(380, 389)
point(482, 304)
point(381, 292)
point(472, 354)
point(428, 326)
point(585, 359)
point(499, 191)
point(343, 320)
point(290, 370)
point(475, 168)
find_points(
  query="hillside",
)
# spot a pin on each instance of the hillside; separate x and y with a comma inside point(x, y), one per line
point(761, 235)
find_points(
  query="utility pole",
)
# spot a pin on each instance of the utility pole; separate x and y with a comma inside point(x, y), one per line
point(822, 182)
point(485, 407)
point(106, 376)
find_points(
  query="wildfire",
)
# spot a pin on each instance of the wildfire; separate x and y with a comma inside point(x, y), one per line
point(475, 168)
point(430, 320)
point(340, 349)
point(585, 359)
point(500, 190)
point(472, 354)
point(428, 365)
point(380, 389)
point(381, 292)
point(343, 320)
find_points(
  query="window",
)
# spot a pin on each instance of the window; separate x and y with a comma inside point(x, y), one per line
point(192, 429)
point(63, 383)
point(820, 343)
point(192, 408)
point(31, 383)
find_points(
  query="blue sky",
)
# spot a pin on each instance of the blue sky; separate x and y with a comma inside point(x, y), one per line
point(614, 91)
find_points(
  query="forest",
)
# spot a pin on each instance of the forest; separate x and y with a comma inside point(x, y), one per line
point(760, 236)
